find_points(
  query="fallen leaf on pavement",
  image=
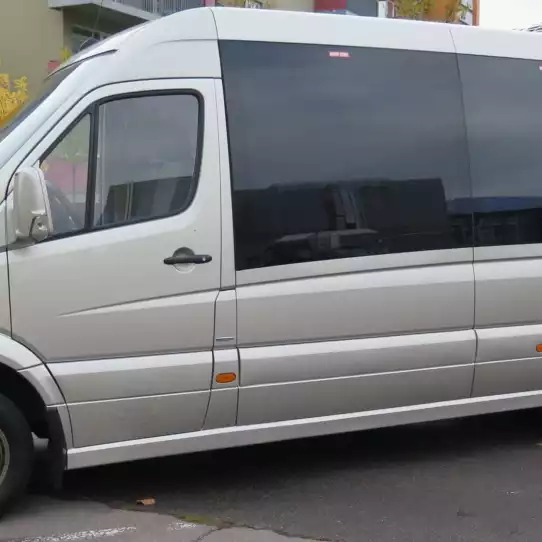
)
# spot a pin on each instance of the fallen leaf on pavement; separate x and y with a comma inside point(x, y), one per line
point(146, 502)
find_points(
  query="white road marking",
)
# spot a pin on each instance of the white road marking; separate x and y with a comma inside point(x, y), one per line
point(180, 525)
point(79, 536)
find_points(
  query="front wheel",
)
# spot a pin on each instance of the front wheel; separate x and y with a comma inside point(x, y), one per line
point(16, 454)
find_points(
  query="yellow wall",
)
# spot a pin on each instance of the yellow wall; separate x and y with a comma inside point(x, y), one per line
point(292, 5)
point(31, 35)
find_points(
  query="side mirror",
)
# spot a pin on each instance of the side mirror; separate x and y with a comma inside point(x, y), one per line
point(31, 212)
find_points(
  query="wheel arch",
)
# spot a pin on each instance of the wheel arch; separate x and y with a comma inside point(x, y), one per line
point(18, 389)
point(27, 382)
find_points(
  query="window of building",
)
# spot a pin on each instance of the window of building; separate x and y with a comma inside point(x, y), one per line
point(466, 12)
point(82, 36)
point(344, 152)
point(503, 104)
point(143, 166)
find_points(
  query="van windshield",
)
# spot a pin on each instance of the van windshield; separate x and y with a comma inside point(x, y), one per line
point(50, 84)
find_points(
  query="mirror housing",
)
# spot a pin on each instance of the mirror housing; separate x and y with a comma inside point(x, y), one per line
point(31, 211)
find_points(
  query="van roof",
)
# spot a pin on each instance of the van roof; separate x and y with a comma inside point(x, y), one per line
point(221, 23)
point(353, 30)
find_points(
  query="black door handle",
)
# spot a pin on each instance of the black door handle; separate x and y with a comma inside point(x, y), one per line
point(183, 259)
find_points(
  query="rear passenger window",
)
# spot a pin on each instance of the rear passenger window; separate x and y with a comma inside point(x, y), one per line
point(344, 152)
point(503, 104)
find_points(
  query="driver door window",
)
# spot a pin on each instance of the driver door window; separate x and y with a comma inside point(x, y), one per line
point(66, 168)
point(140, 176)
point(140, 163)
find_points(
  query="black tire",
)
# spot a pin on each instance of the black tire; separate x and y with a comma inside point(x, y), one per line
point(16, 454)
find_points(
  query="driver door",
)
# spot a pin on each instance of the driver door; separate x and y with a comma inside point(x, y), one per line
point(133, 178)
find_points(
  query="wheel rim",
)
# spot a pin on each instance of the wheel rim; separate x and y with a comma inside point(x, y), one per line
point(4, 456)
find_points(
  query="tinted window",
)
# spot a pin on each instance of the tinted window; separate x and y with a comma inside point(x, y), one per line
point(503, 104)
point(339, 153)
point(147, 157)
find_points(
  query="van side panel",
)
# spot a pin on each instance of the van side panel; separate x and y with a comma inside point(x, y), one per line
point(352, 225)
point(503, 103)
point(374, 304)
point(337, 377)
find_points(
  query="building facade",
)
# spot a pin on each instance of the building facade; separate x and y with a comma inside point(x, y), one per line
point(367, 8)
point(61, 27)
point(468, 11)
point(465, 12)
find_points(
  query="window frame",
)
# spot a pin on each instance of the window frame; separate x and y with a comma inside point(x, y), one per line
point(94, 111)
point(80, 30)
point(355, 264)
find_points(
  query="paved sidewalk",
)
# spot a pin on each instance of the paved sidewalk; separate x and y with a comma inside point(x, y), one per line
point(49, 520)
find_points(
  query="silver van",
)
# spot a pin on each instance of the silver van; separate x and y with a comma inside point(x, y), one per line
point(229, 227)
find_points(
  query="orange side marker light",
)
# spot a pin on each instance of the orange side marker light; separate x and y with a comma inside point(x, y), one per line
point(539, 348)
point(226, 378)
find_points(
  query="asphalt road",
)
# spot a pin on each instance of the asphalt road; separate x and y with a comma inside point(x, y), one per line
point(476, 480)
